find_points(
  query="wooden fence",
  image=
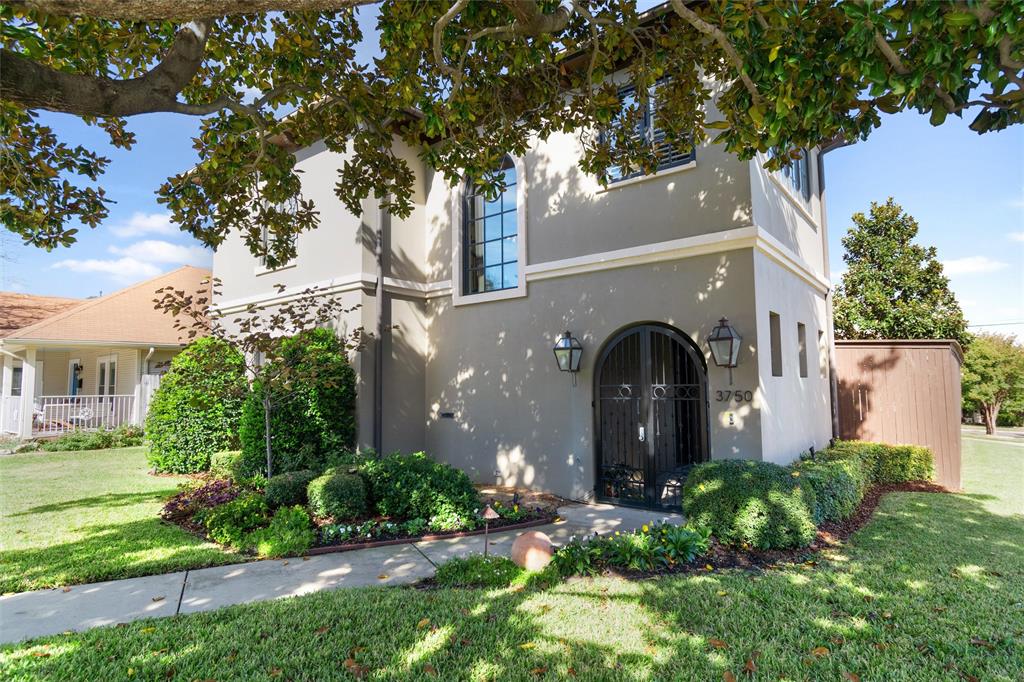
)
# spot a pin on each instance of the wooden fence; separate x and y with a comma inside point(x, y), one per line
point(903, 392)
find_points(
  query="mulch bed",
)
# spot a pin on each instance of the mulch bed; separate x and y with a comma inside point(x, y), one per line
point(830, 535)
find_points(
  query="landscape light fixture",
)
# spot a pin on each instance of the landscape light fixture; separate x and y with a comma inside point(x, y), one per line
point(725, 345)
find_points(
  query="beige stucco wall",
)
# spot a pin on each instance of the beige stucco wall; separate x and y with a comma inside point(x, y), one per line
point(795, 411)
point(491, 365)
point(785, 214)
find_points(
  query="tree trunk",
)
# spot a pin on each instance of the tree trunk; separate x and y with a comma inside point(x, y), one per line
point(266, 432)
point(990, 411)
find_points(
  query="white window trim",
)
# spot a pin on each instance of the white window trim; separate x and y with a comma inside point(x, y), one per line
point(618, 184)
point(112, 361)
point(457, 195)
point(804, 206)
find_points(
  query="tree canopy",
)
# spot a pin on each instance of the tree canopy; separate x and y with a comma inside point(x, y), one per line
point(463, 83)
point(993, 376)
point(894, 288)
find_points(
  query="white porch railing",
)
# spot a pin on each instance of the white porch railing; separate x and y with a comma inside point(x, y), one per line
point(10, 413)
point(54, 415)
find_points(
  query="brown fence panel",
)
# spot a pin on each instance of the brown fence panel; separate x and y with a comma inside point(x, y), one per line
point(903, 392)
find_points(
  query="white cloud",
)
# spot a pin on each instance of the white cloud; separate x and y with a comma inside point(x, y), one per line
point(121, 269)
point(145, 223)
point(1015, 236)
point(970, 265)
point(159, 251)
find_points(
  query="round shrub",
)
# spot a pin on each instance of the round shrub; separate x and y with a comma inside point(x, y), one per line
point(414, 486)
point(312, 415)
point(231, 522)
point(194, 413)
point(290, 533)
point(227, 464)
point(288, 489)
point(838, 486)
point(750, 502)
point(341, 496)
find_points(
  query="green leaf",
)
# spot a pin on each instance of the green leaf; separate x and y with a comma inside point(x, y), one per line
point(773, 55)
point(756, 114)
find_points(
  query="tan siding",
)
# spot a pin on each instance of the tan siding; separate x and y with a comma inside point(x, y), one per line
point(903, 392)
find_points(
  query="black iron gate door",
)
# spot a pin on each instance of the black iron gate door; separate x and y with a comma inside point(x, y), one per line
point(651, 414)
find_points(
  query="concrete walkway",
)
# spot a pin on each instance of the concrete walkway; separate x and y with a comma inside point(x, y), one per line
point(80, 607)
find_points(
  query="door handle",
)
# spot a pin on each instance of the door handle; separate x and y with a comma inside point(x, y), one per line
point(643, 433)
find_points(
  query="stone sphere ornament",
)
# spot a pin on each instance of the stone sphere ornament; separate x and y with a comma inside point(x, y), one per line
point(532, 550)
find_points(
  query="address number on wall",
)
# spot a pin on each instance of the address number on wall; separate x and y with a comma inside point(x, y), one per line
point(738, 396)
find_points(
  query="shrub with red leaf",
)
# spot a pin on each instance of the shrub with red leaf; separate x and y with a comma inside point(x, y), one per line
point(183, 506)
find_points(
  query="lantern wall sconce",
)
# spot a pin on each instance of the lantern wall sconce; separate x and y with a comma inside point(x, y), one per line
point(725, 345)
point(568, 353)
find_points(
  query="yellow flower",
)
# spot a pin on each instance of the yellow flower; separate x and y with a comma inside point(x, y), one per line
point(515, 507)
point(796, 474)
point(646, 529)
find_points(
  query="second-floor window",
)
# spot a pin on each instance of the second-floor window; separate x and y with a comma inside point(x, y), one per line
point(490, 239)
point(798, 174)
point(652, 133)
point(289, 207)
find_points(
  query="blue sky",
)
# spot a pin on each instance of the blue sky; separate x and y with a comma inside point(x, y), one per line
point(966, 191)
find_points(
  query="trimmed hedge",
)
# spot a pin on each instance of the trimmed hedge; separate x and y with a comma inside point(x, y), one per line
point(312, 416)
point(290, 533)
point(227, 464)
point(195, 411)
point(416, 487)
point(288, 489)
point(884, 463)
point(340, 496)
point(838, 485)
point(749, 502)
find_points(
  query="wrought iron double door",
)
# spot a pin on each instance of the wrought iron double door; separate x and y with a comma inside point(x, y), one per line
point(651, 416)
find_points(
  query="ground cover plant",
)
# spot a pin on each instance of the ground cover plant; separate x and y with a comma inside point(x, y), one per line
point(929, 590)
point(76, 517)
point(124, 436)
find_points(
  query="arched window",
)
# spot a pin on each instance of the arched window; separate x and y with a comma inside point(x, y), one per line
point(490, 237)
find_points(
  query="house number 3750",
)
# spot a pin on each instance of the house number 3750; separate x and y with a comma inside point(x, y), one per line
point(738, 396)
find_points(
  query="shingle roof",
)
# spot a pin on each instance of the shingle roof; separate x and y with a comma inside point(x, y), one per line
point(21, 310)
point(125, 316)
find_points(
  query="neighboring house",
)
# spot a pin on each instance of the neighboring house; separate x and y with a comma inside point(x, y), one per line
point(21, 310)
point(475, 295)
point(92, 365)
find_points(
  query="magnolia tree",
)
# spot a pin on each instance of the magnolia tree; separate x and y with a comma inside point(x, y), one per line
point(463, 83)
point(259, 334)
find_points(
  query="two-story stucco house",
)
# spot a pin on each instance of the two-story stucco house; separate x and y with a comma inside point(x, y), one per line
point(476, 293)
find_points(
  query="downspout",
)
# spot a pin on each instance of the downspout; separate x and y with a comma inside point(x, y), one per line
point(378, 355)
point(833, 380)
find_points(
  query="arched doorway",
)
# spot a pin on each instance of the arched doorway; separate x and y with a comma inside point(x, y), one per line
point(651, 415)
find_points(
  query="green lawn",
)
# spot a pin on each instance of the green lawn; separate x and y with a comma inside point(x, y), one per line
point(78, 517)
point(931, 589)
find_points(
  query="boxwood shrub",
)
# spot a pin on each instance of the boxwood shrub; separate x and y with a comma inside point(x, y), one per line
point(838, 486)
point(289, 533)
point(232, 522)
point(195, 411)
point(227, 464)
point(341, 496)
point(884, 463)
point(312, 416)
point(288, 489)
point(415, 486)
point(749, 502)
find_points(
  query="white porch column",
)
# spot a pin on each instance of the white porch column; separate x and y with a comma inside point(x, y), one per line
point(28, 390)
point(6, 378)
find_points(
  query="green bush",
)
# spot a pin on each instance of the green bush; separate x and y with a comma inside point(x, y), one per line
point(749, 502)
point(647, 548)
point(311, 416)
point(126, 436)
point(290, 533)
point(79, 440)
point(227, 464)
point(194, 413)
point(231, 522)
point(477, 570)
point(288, 489)
point(414, 486)
point(838, 486)
point(885, 463)
point(337, 495)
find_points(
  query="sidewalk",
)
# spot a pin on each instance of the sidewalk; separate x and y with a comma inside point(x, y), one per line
point(46, 612)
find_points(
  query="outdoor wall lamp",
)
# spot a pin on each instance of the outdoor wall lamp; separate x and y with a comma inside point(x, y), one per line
point(725, 345)
point(568, 352)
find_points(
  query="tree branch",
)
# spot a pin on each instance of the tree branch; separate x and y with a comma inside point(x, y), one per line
point(35, 86)
point(180, 10)
point(723, 42)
